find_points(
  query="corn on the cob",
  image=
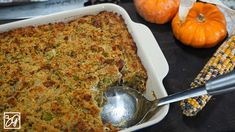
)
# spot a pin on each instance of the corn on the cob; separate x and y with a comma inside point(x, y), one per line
point(221, 62)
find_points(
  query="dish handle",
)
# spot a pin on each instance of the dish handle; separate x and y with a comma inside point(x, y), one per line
point(149, 50)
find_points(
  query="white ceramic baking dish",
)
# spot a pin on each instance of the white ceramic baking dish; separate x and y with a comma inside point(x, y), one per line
point(148, 49)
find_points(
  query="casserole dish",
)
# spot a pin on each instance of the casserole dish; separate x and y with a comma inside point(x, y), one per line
point(148, 50)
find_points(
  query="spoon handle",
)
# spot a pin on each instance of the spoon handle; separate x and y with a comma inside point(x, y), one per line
point(189, 93)
point(222, 84)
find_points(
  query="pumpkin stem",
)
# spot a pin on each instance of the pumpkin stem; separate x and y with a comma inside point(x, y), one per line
point(201, 18)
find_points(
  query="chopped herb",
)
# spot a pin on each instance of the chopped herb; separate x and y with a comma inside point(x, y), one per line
point(47, 116)
point(76, 78)
point(107, 81)
point(105, 54)
point(51, 54)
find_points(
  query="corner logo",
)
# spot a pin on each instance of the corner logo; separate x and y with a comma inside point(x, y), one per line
point(11, 120)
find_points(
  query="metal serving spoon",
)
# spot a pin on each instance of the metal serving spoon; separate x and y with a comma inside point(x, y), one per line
point(127, 107)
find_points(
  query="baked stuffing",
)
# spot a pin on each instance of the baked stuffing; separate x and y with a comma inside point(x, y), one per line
point(55, 74)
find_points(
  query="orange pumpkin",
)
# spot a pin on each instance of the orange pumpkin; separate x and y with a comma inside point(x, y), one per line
point(157, 11)
point(204, 27)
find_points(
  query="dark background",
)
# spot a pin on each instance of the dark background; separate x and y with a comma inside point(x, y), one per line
point(185, 63)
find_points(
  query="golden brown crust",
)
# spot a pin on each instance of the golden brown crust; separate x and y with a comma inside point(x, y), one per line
point(55, 74)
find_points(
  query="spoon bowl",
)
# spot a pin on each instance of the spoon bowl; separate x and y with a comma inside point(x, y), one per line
point(125, 107)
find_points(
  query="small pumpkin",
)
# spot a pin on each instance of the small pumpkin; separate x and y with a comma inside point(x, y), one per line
point(157, 11)
point(204, 26)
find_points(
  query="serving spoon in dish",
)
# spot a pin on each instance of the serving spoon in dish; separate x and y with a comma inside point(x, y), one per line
point(127, 107)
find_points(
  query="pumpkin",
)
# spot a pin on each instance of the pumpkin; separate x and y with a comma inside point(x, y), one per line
point(204, 26)
point(157, 11)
